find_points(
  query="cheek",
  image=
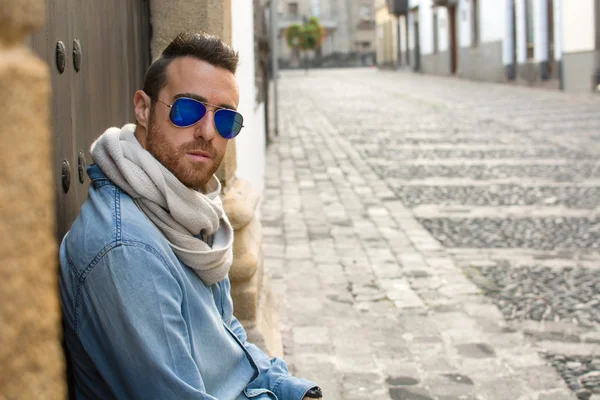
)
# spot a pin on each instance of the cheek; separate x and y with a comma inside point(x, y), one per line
point(220, 144)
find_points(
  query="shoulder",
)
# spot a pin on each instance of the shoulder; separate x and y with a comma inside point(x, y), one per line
point(109, 222)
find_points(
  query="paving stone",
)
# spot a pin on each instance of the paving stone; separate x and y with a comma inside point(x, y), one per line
point(366, 291)
point(311, 335)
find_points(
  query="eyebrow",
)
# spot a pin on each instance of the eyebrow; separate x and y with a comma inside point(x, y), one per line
point(203, 99)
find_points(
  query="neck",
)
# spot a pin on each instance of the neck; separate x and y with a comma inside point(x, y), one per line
point(140, 135)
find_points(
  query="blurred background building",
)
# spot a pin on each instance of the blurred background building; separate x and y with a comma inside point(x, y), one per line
point(548, 43)
point(350, 26)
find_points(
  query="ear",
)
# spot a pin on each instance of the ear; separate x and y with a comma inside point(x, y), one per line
point(141, 106)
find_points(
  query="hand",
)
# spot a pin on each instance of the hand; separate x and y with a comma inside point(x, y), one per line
point(314, 393)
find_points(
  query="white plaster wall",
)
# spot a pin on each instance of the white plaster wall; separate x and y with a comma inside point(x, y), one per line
point(521, 31)
point(558, 24)
point(578, 26)
point(426, 27)
point(492, 20)
point(540, 30)
point(507, 42)
point(443, 34)
point(250, 144)
point(464, 23)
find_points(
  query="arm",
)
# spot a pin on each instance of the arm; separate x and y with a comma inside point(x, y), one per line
point(274, 374)
point(132, 328)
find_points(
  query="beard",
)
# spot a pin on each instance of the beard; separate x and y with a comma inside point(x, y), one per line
point(192, 175)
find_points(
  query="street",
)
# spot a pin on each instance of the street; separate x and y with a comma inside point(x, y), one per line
point(435, 238)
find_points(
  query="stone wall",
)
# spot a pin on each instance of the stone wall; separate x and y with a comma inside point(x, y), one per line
point(482, 63)
point(438, 63)
point(170, 17)
point(579, 71)
point(538, 74)
point(30, 352)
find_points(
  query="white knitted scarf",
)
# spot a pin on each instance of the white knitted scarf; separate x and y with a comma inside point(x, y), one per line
point(182, 214)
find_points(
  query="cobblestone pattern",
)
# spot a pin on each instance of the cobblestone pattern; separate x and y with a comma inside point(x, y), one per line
point(499, 195)
point(558, 173)
point(537, 233)
point(543, 293)
point(400, 155)
point(372, 305)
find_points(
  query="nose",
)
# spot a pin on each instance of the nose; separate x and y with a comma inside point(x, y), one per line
point(205, 128)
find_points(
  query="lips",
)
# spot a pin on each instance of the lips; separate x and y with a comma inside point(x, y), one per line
point(199, 153)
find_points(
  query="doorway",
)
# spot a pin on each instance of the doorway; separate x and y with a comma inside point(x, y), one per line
point(417, 66)
point(514, 34)
point(407, 39)
point(550, 11)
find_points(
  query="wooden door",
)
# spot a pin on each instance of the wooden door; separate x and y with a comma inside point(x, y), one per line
point(103, 53)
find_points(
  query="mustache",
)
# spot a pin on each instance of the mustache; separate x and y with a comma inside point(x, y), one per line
point(199, 145)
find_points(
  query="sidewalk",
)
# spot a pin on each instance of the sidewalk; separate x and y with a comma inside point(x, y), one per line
point(371, 305)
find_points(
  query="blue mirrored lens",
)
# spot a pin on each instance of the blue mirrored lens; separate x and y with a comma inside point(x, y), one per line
point(186, 112)
point(228, 123)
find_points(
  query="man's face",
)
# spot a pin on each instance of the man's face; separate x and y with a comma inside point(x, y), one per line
point(192, 154)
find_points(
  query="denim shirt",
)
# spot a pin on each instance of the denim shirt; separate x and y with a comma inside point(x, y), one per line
point(139, 324)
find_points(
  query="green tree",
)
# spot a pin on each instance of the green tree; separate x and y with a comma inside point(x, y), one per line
point(306, 37)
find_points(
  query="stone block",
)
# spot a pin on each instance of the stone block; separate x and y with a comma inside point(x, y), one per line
point(170, 17)
point(311, 335)
point(18, 18)
point(239, 202)
point(30, 354)
point(226, 171)
point(245, 300)
point(267, 321)
point(247, 252)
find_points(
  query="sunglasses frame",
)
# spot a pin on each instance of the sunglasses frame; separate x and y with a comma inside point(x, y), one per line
point(216, 110)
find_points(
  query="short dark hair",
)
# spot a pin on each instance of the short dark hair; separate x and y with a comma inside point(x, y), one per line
point(201, 46)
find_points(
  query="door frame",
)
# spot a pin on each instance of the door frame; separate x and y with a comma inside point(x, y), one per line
point(452, 35)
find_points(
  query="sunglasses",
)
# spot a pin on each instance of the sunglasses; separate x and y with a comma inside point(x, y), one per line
point(186, 112)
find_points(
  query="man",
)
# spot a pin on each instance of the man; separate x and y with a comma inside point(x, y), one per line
point(144, 286)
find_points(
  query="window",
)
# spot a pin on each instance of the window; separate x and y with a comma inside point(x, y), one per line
point(474, 22)
point(316, 8)
point(292, 8)
point(365, 17)
point(436, 33)
point(529, 28)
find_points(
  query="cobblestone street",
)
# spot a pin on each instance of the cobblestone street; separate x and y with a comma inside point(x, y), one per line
point(435, 238)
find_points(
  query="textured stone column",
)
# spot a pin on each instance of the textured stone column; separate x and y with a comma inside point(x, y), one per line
point(250, 291)
point(31, 358)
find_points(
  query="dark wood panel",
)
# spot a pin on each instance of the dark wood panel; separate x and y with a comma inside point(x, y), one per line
point(114, 37)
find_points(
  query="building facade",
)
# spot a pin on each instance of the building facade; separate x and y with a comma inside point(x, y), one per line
point(548, 43)
point(350, 26)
